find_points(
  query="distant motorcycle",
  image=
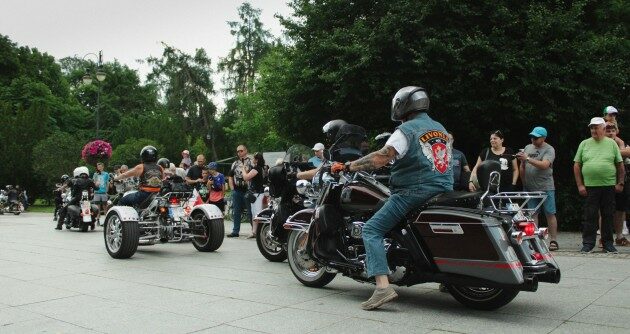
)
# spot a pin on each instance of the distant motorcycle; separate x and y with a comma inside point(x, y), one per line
point(165, 216)
point(80, 216)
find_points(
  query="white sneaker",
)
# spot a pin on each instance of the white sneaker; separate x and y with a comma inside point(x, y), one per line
point(598, 233)
point(625, 229)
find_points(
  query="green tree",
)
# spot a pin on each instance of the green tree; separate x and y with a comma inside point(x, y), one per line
point(252, 43)
point(128, 153)
point(186, 85)
point(487, 65)
point(57, 154)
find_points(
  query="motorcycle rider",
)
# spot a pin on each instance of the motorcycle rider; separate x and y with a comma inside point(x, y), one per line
point(149, 173)
point(58, 195)
point(330, 130)
point(78, 184)
point(12, 195)
point(422, 152)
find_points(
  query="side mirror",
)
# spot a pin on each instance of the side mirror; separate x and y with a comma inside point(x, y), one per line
point(302, 186)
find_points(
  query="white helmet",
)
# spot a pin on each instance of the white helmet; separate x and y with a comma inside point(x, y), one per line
point(80, 170)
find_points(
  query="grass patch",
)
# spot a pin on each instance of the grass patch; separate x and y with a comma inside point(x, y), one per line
point(41, 208)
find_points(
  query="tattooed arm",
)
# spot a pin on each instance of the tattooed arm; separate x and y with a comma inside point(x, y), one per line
point(374, 160)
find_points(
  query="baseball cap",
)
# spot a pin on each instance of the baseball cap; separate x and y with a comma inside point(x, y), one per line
point(213, 165)
point(610, 110)
point(538, 132)
point(185, 152)
point(597, 121)
point(318, 147)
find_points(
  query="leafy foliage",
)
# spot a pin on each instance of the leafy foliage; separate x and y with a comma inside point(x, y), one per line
point(54, 156)
point(128, 153)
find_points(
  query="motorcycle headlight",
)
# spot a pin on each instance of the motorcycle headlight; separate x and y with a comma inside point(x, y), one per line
point(301, 186)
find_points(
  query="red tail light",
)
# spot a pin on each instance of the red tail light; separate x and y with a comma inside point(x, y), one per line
point(538, 256)
point(173, 200)
point(528, 228)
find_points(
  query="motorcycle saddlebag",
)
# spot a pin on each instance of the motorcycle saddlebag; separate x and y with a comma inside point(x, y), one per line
point(324, 234)
point(469, 242)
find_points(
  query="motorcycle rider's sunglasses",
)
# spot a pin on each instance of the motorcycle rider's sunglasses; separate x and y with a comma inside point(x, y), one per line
point(239, 151)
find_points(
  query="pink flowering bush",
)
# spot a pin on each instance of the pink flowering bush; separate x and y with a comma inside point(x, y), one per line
point(96, 151)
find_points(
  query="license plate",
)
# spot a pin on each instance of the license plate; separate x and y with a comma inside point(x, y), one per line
point(176, 213)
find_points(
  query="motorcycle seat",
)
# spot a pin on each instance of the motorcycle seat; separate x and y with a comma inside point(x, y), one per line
point(464, 199)
point(144, 204)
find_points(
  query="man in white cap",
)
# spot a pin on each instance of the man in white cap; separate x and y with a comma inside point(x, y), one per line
point(319, 155)
point(186, 162)
point(599, 174)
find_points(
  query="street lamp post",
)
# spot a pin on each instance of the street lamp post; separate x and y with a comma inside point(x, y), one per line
point(100, 77)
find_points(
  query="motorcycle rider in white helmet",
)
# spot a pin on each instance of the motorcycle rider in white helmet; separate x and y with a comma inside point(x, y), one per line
point(81, 181)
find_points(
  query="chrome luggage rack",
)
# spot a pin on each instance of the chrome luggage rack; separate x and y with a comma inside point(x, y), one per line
point(515, 203)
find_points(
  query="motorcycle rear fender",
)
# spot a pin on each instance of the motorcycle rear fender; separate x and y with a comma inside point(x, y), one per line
point(264, 217)
point(300, 221)
point(211, 211)
point(126, 213)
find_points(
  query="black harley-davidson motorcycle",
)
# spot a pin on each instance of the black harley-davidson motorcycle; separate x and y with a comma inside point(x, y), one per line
point(287, 197)
point(483, 246)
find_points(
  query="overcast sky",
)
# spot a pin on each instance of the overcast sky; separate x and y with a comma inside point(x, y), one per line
point(128, 30)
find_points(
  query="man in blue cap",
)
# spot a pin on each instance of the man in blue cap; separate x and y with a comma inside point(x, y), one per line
point(537, 175)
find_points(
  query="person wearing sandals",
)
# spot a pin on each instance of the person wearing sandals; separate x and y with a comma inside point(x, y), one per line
point(622, 197)
point(255, 178)
point(536, 170)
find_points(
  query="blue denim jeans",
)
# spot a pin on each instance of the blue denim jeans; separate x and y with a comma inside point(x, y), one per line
point(239, 202)
point(390, 215)
point(134, 198)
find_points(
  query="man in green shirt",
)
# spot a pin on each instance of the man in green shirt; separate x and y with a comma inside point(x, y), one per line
point(599, 173)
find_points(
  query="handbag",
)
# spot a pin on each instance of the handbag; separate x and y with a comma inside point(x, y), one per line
point(250, 196)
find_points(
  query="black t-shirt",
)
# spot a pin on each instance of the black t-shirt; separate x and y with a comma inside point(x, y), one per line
point(257, 182)
point(505, 160)
point(194, 173)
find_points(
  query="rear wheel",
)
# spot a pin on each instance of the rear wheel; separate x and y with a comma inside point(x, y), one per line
point(478, 298)
point(214, 232)
point(121, 237)
point(270, 249)
point(305, 269)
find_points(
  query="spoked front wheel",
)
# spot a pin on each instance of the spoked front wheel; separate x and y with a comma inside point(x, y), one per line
point(121, 237)
point(303, 267)
point(269, 248)
point(480, 298)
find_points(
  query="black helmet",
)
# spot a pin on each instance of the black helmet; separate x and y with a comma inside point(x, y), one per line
point(148, 154)
point(64, 177)
point(407, 100)
point(331, 128)
point(165, 163)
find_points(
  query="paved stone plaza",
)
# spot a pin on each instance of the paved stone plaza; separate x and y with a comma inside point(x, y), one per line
point(65, 282)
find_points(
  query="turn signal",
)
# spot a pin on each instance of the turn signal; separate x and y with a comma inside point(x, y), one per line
point(537, 256)
point(518, 237)
point(543, 233)
point(162, 210)
point(528, 228)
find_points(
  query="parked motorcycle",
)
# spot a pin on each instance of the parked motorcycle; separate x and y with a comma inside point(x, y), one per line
point(9, 202)
point(484, 247)
point(287, 197)
point(165, 216)
point(80, 216)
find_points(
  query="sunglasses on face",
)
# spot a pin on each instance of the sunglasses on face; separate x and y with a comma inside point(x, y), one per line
point(240, 151)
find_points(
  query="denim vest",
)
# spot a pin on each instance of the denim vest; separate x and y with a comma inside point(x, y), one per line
point(427, 164)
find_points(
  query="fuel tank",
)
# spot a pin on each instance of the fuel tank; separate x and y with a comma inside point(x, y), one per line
point(362, 197)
